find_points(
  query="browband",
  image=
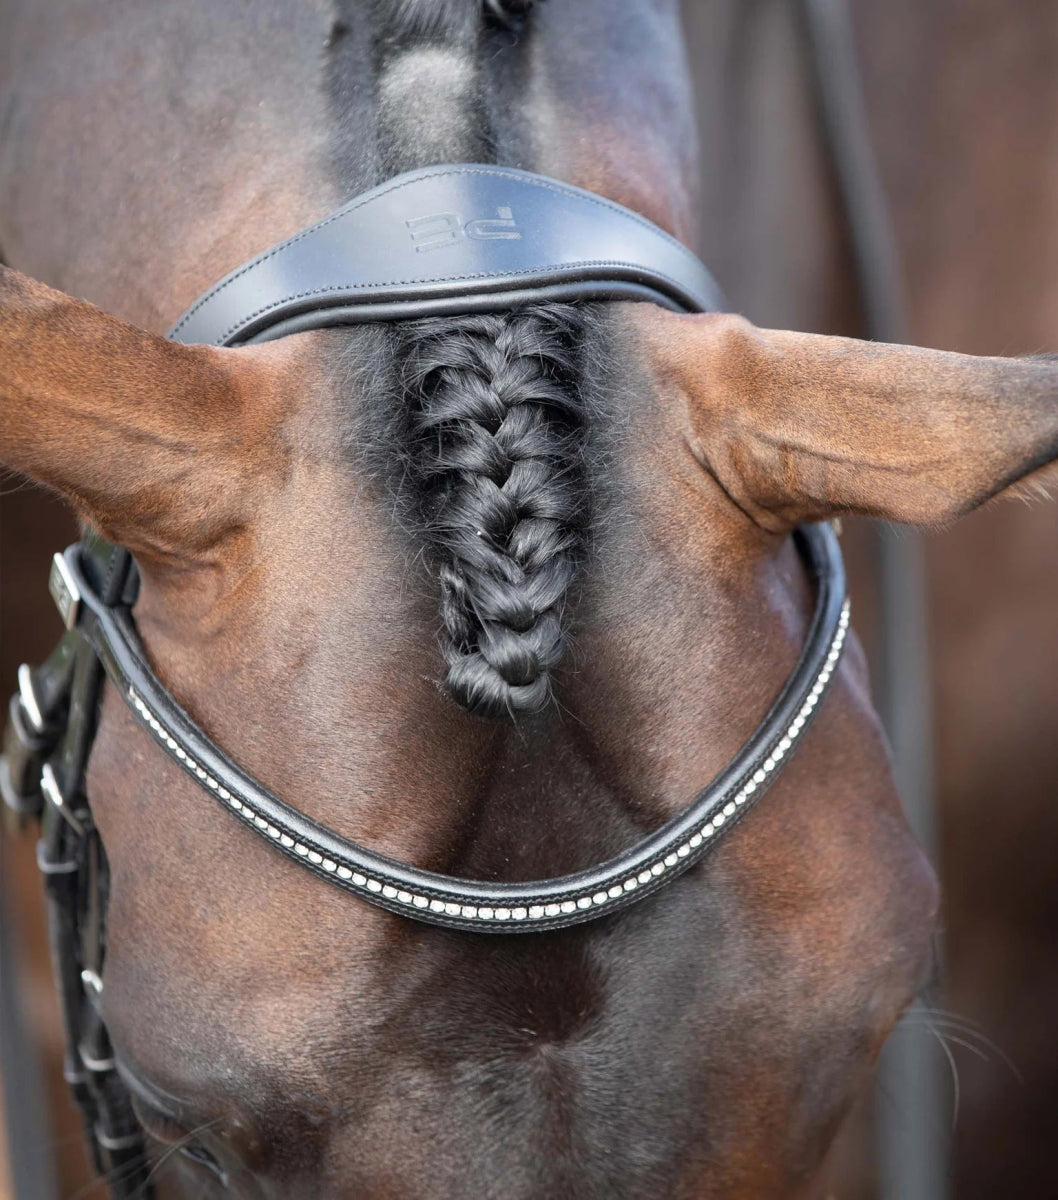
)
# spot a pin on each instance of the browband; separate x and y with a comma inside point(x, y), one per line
point(442, 899)
point(445, 240)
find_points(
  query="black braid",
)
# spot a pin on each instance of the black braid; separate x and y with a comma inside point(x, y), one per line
point(496, 457)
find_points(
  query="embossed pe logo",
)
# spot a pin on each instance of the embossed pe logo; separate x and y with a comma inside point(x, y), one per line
point(445, 229)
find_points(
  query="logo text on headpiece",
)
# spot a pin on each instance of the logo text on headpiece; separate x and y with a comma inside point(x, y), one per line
point(445, 229)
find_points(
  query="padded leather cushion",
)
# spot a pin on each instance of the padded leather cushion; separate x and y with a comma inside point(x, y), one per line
point(450, 239)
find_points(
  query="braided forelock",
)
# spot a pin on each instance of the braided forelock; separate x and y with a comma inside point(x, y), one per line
point(496, 459)
point(444, 20)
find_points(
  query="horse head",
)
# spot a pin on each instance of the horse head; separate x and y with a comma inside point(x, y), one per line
point(492, 594)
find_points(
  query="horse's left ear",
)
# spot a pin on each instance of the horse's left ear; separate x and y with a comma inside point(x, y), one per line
point(160, 446)
point(798, 427)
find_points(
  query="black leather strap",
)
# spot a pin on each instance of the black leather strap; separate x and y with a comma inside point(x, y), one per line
point(458, 238)
point(464, 903)
point(42, 776)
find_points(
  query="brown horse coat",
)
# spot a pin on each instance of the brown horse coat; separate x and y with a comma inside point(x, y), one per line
point(706, 1043)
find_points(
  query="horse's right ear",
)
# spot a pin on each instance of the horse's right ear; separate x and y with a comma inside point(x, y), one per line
point(158, 445)
point(797, 427)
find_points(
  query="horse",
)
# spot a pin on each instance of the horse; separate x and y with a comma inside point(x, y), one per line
point(285, 1040)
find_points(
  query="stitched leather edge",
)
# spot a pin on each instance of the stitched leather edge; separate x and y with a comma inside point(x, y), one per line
point(114, 639)
point(697, 287)
point(408, 180)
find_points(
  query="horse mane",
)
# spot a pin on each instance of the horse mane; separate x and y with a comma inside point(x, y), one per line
point(489, 423)
point(493, 448)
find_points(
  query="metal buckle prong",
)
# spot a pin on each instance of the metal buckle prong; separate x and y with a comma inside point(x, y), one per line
point(64, 591)
point(28, 699)
point(92, 981)
point(49, 866)
point(125, 1141)
point(49, 785)
point(98, 1066)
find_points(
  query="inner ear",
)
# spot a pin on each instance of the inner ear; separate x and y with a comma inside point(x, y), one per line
point(799, 427)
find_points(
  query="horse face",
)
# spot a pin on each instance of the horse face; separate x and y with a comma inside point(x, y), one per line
point(297, 1042)
point(283, 1040)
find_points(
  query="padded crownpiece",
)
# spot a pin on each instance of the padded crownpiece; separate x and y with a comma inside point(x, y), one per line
point(450, 239)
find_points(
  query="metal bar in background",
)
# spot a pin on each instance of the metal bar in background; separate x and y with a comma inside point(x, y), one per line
point(913, 1100)
point(25, 1108)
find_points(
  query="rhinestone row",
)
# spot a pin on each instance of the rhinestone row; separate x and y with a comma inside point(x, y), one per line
point(531, 912)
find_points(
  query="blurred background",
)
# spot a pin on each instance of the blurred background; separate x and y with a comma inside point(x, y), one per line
point(962, 105)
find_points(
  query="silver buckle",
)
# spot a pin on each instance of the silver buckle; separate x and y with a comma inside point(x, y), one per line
point(49, 785)
point(93, 983)
point(98, 1066)
point(64, 591)
point(28, 699)
point(125, 1141)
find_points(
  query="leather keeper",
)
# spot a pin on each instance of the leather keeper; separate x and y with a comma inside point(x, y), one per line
point(23, 758)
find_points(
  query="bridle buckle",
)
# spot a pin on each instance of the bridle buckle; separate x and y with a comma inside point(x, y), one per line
point(49, 785)
point(64, 591)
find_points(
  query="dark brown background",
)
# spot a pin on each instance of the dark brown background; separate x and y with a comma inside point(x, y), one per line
point(963, 100)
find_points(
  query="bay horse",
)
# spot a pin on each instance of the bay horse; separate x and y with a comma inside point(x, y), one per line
point(286, 1040)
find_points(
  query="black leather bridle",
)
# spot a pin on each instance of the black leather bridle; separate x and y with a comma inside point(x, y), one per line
point(443, 240)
